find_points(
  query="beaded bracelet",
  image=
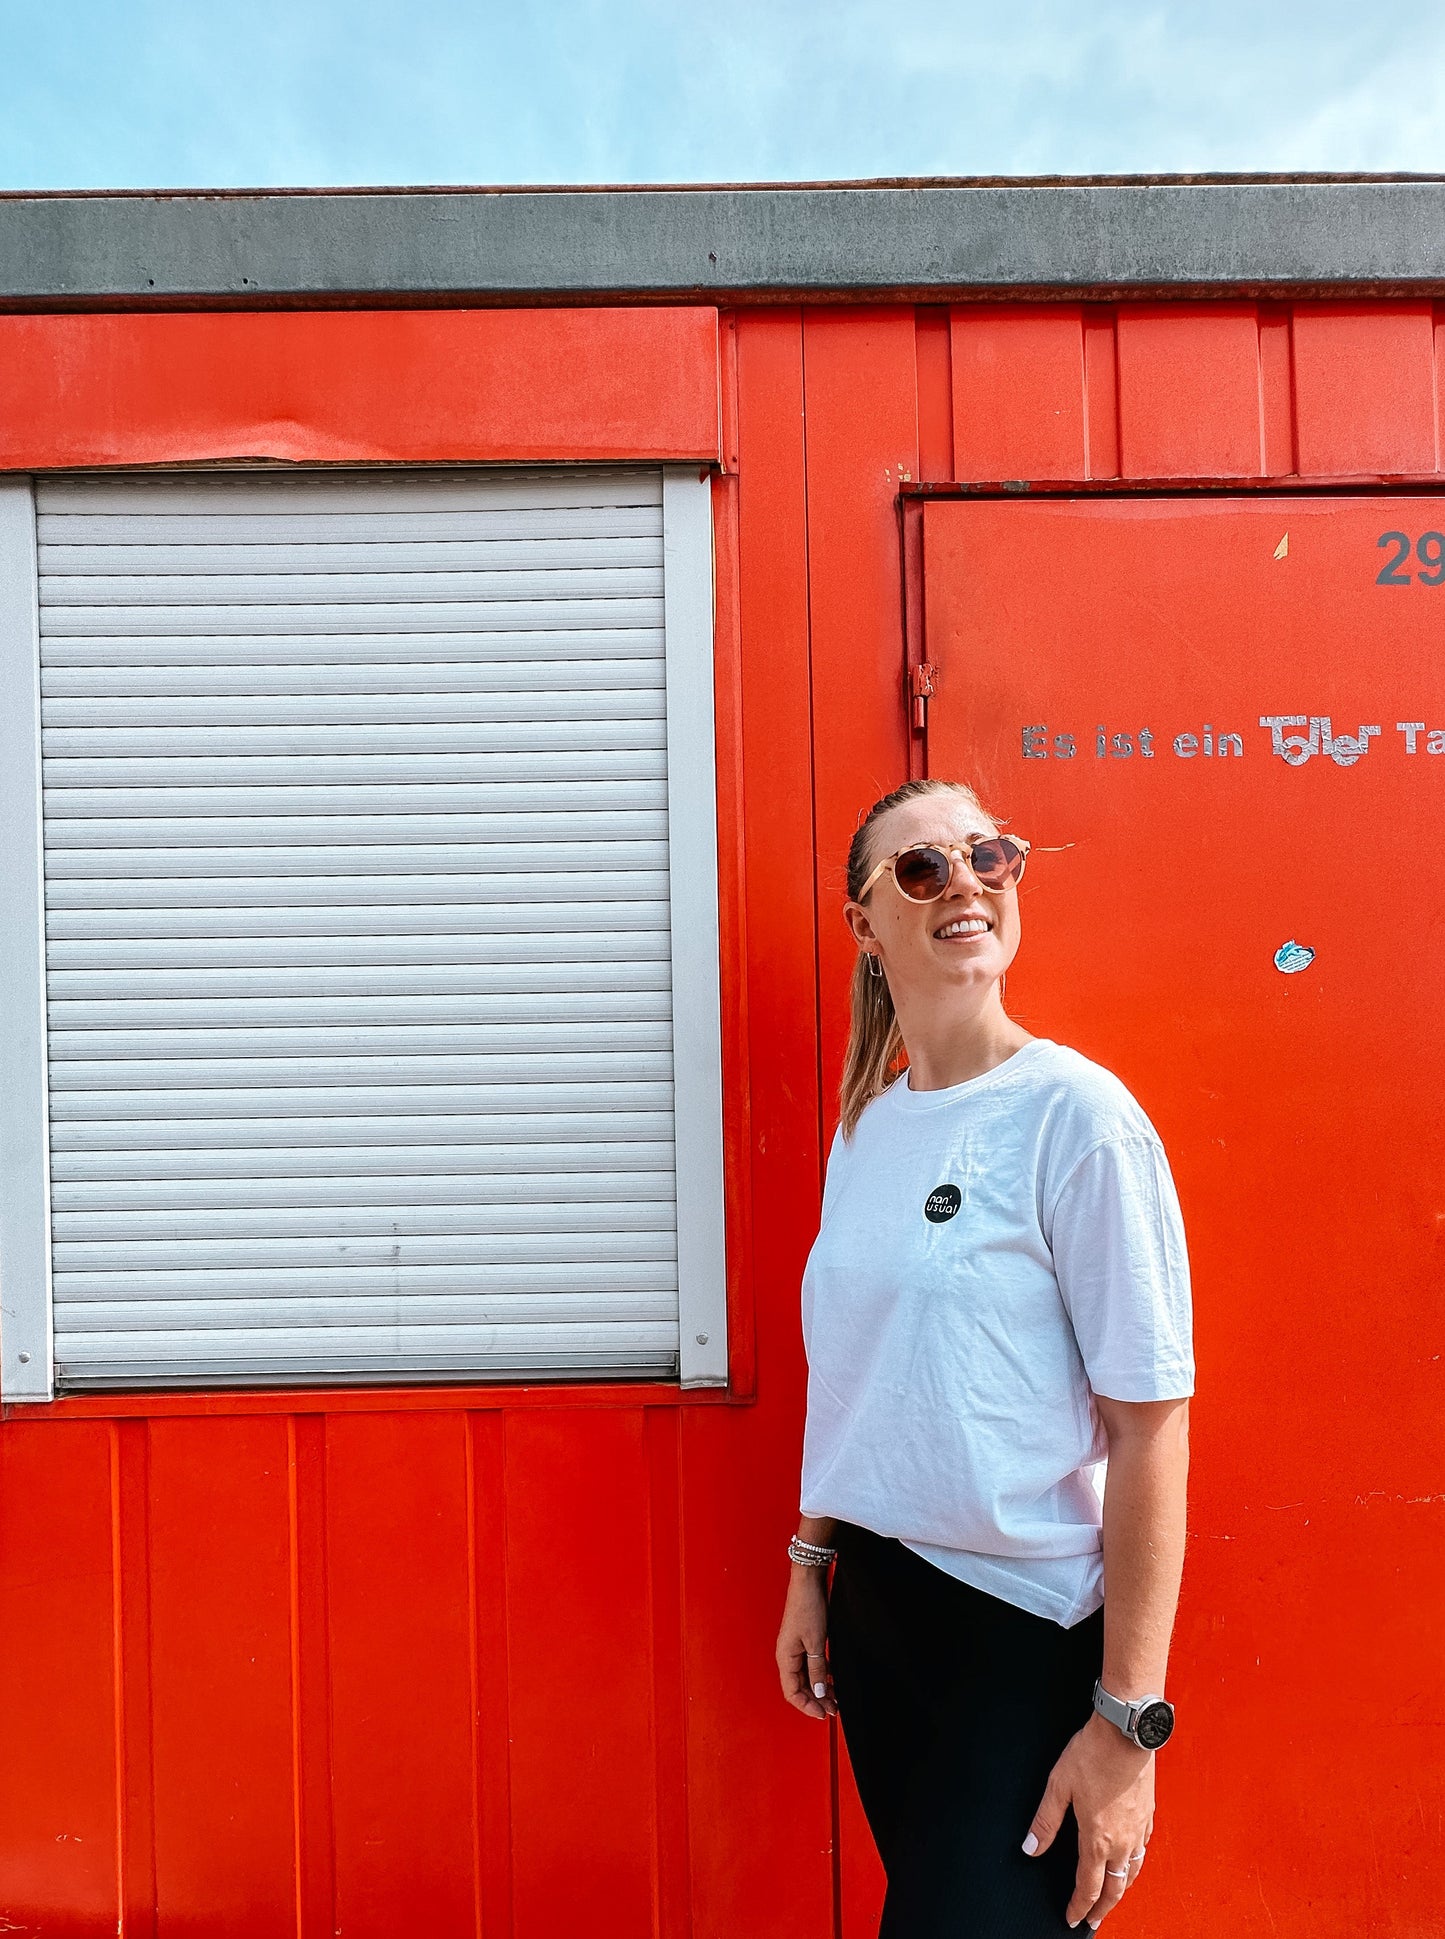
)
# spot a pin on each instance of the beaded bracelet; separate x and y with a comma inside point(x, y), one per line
point(811, 1555)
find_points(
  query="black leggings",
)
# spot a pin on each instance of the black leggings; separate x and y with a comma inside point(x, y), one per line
point(955, 1706)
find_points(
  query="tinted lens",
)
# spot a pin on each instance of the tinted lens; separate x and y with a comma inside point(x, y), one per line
point(996, 862)
point(922, 873)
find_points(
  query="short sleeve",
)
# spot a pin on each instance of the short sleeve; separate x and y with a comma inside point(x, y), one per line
point(1120, 1258)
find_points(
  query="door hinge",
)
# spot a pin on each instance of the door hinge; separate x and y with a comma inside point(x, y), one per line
point(922, 684)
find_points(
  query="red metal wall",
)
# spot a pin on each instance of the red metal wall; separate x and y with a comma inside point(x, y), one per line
point(499, 1662)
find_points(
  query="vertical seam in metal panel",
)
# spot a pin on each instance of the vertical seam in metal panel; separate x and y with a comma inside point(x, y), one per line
point(131, 1557)
point(1293, 400)
point(812, 746)
point(117, 1661)
point(1259, 397)
point(487, 1480)
point(1118, 391)
point(671, 1852)
point(293, 1558)
point(473, 1671)
point(311, 1679)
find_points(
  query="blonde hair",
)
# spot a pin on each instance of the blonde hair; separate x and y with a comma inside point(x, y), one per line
point(875, 1043)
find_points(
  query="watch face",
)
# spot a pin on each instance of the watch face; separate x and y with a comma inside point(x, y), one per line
point(1156, 1721)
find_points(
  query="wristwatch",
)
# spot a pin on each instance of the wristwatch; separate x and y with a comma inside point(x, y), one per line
point(1148, 1722)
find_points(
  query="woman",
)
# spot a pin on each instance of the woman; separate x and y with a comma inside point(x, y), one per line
point(997, 1300)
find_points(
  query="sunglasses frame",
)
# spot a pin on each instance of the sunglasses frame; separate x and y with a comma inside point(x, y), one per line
point(950, 849)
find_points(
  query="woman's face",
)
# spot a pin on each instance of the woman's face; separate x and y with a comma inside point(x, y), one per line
point(927, 944)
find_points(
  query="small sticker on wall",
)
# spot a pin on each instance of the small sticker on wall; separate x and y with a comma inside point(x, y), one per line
point(1292, 957)
point(1281, 551)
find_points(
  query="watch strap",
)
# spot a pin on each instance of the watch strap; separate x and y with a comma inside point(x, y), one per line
point(1115, 1710)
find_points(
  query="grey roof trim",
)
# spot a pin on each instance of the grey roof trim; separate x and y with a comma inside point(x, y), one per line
point(1120, 237)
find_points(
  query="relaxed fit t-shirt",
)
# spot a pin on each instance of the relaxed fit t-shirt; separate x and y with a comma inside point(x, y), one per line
point(991, 1256)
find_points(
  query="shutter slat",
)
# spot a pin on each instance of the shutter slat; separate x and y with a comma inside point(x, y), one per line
point(255, 1004)
point(540, 1276)
point(380, 1077)
point(396, 622)
point(414, 494)
point(255, 565)
point(604, 1212)
point(290, 804)
point(376, 1105)
point(284, 831)
point(347, 528)
point(271, 1175)
point(161, 1263)
point(467, 768)
point(510, 961)
point(544, 688)
point(304, 744)
point(323, 710)
point(509, 929)
point(204, 1316)
point(358, 890)
point(332, 1135)
point(601, 637)
point(458, 1045)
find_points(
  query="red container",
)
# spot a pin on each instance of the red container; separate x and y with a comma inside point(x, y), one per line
point(499, 1661)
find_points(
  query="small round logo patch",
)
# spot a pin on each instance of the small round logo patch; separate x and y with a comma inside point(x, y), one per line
point(941, 1204)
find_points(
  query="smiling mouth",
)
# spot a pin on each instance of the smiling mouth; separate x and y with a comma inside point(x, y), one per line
point(962, 929)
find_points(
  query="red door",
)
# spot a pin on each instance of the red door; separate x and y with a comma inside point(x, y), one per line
point(1234, 710)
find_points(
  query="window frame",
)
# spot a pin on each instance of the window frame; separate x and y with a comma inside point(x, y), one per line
point(27, 1335)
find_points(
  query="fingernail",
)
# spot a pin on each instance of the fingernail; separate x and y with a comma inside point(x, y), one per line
point(820, 1689)
point(1031, 1845)
point(1093, 1925)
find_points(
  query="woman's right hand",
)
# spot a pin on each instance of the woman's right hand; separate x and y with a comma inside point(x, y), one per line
point(802, 1642)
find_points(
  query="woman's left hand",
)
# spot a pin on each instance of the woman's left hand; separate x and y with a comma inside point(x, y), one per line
point(1110, 1784)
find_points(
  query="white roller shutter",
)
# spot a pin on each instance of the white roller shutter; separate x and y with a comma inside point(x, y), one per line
point(363, 886)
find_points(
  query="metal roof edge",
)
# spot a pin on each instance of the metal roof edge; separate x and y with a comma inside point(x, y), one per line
point(928, 240)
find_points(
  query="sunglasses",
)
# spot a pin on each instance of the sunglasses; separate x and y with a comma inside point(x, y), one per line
point(924, 870)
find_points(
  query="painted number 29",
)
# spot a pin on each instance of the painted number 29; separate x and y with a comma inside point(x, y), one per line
point(1429, 550)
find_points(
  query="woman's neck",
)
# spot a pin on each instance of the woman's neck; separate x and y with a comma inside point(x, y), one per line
point(950, 1047)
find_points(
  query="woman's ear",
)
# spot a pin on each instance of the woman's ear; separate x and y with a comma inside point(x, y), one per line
point(856, 917)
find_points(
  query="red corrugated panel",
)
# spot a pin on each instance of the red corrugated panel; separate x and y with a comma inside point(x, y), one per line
point(220, 1665)
point(1364, 378)
point(393, 386)
point(402, 1734)
point(57, 1723)
point(585, 1776)
point(1018, 393)
point(1189, 397)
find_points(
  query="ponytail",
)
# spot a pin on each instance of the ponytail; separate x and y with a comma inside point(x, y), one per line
point(875, 1043)
point(875, 1050)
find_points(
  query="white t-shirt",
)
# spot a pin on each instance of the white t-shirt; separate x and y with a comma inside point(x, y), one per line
point(990, 1257)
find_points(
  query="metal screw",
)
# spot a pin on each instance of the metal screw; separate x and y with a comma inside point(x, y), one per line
point(25, 1359)
point(702, 1339)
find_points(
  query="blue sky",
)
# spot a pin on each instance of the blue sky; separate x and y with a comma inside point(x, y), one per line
point(231, 93)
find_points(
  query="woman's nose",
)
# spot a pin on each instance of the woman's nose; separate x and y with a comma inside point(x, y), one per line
point(963, 880)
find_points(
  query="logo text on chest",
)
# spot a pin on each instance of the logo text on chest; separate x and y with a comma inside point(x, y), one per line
point(941, 1204)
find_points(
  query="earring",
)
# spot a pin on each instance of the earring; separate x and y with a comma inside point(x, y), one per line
point(875, 968)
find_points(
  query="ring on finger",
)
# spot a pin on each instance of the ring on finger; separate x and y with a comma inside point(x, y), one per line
point(1109, 1873)
point(1137, 1857)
